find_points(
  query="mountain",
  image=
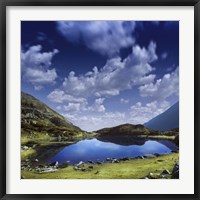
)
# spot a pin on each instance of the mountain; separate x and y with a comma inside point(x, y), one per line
point(125, 129)
point(37, 117)
point(130, 134)
point(165, 121)
point(124, 140)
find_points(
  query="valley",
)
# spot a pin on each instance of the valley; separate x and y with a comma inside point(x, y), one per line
point(52, 147)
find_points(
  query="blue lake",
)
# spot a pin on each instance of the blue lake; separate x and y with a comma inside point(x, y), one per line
point(97, 150)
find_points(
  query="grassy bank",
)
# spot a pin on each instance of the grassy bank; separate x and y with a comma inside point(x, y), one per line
point(42, 142)
point(161, 137)
point(131, 169)
point(28, 154)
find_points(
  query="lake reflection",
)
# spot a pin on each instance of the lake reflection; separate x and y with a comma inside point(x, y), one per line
point(96, 150)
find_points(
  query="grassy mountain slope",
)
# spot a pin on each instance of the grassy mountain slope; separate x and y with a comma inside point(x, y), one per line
point(125, 129)
point(37, 117)
point(119, 133)
point(35, 109)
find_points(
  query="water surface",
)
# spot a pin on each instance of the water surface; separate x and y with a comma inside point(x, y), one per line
point(96, 150)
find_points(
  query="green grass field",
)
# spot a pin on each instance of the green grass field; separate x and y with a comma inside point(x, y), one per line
point(132, 169)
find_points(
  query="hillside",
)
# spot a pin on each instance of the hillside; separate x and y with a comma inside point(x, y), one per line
point(128, 134)
point(165, 121)
point(37, 117)
point(125, 129)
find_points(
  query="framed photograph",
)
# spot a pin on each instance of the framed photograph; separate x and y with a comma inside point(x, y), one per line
point(99, 99)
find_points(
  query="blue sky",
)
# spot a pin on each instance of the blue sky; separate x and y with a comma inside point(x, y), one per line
point(102, 73)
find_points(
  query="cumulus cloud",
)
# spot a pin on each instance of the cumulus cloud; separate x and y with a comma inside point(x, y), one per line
point(39, 78)
point(98, 105)
point(105, 37)
point(36, 66)
point(59, 96)
point(142, 55)
point(162, 88)
point(58, 107)
point(75, 103)
point(137, 114)
point(72, 107)
point(94, 122)
point(115, 76)
point(142, 113)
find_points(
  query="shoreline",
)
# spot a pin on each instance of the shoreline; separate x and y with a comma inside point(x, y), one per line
point(129, 169)
point(34, 166)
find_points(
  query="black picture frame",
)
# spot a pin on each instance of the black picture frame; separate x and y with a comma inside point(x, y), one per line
point(3, 184)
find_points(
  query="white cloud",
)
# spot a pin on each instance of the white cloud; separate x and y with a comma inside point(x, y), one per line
point(36, 66)
point(137, 114)
point(39, 78)
point(142, 55)
point(105, 37)
point(101, 108)
point(162, 88)
point(94, 122)
point(115, 76)
point(124, 101)
point(59, 96)
point(58, 107)
point(98, 105)
point(140, 114)
point(72, 107)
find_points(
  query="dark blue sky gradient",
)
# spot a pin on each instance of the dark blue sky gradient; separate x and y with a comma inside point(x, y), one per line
point(77, 57)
